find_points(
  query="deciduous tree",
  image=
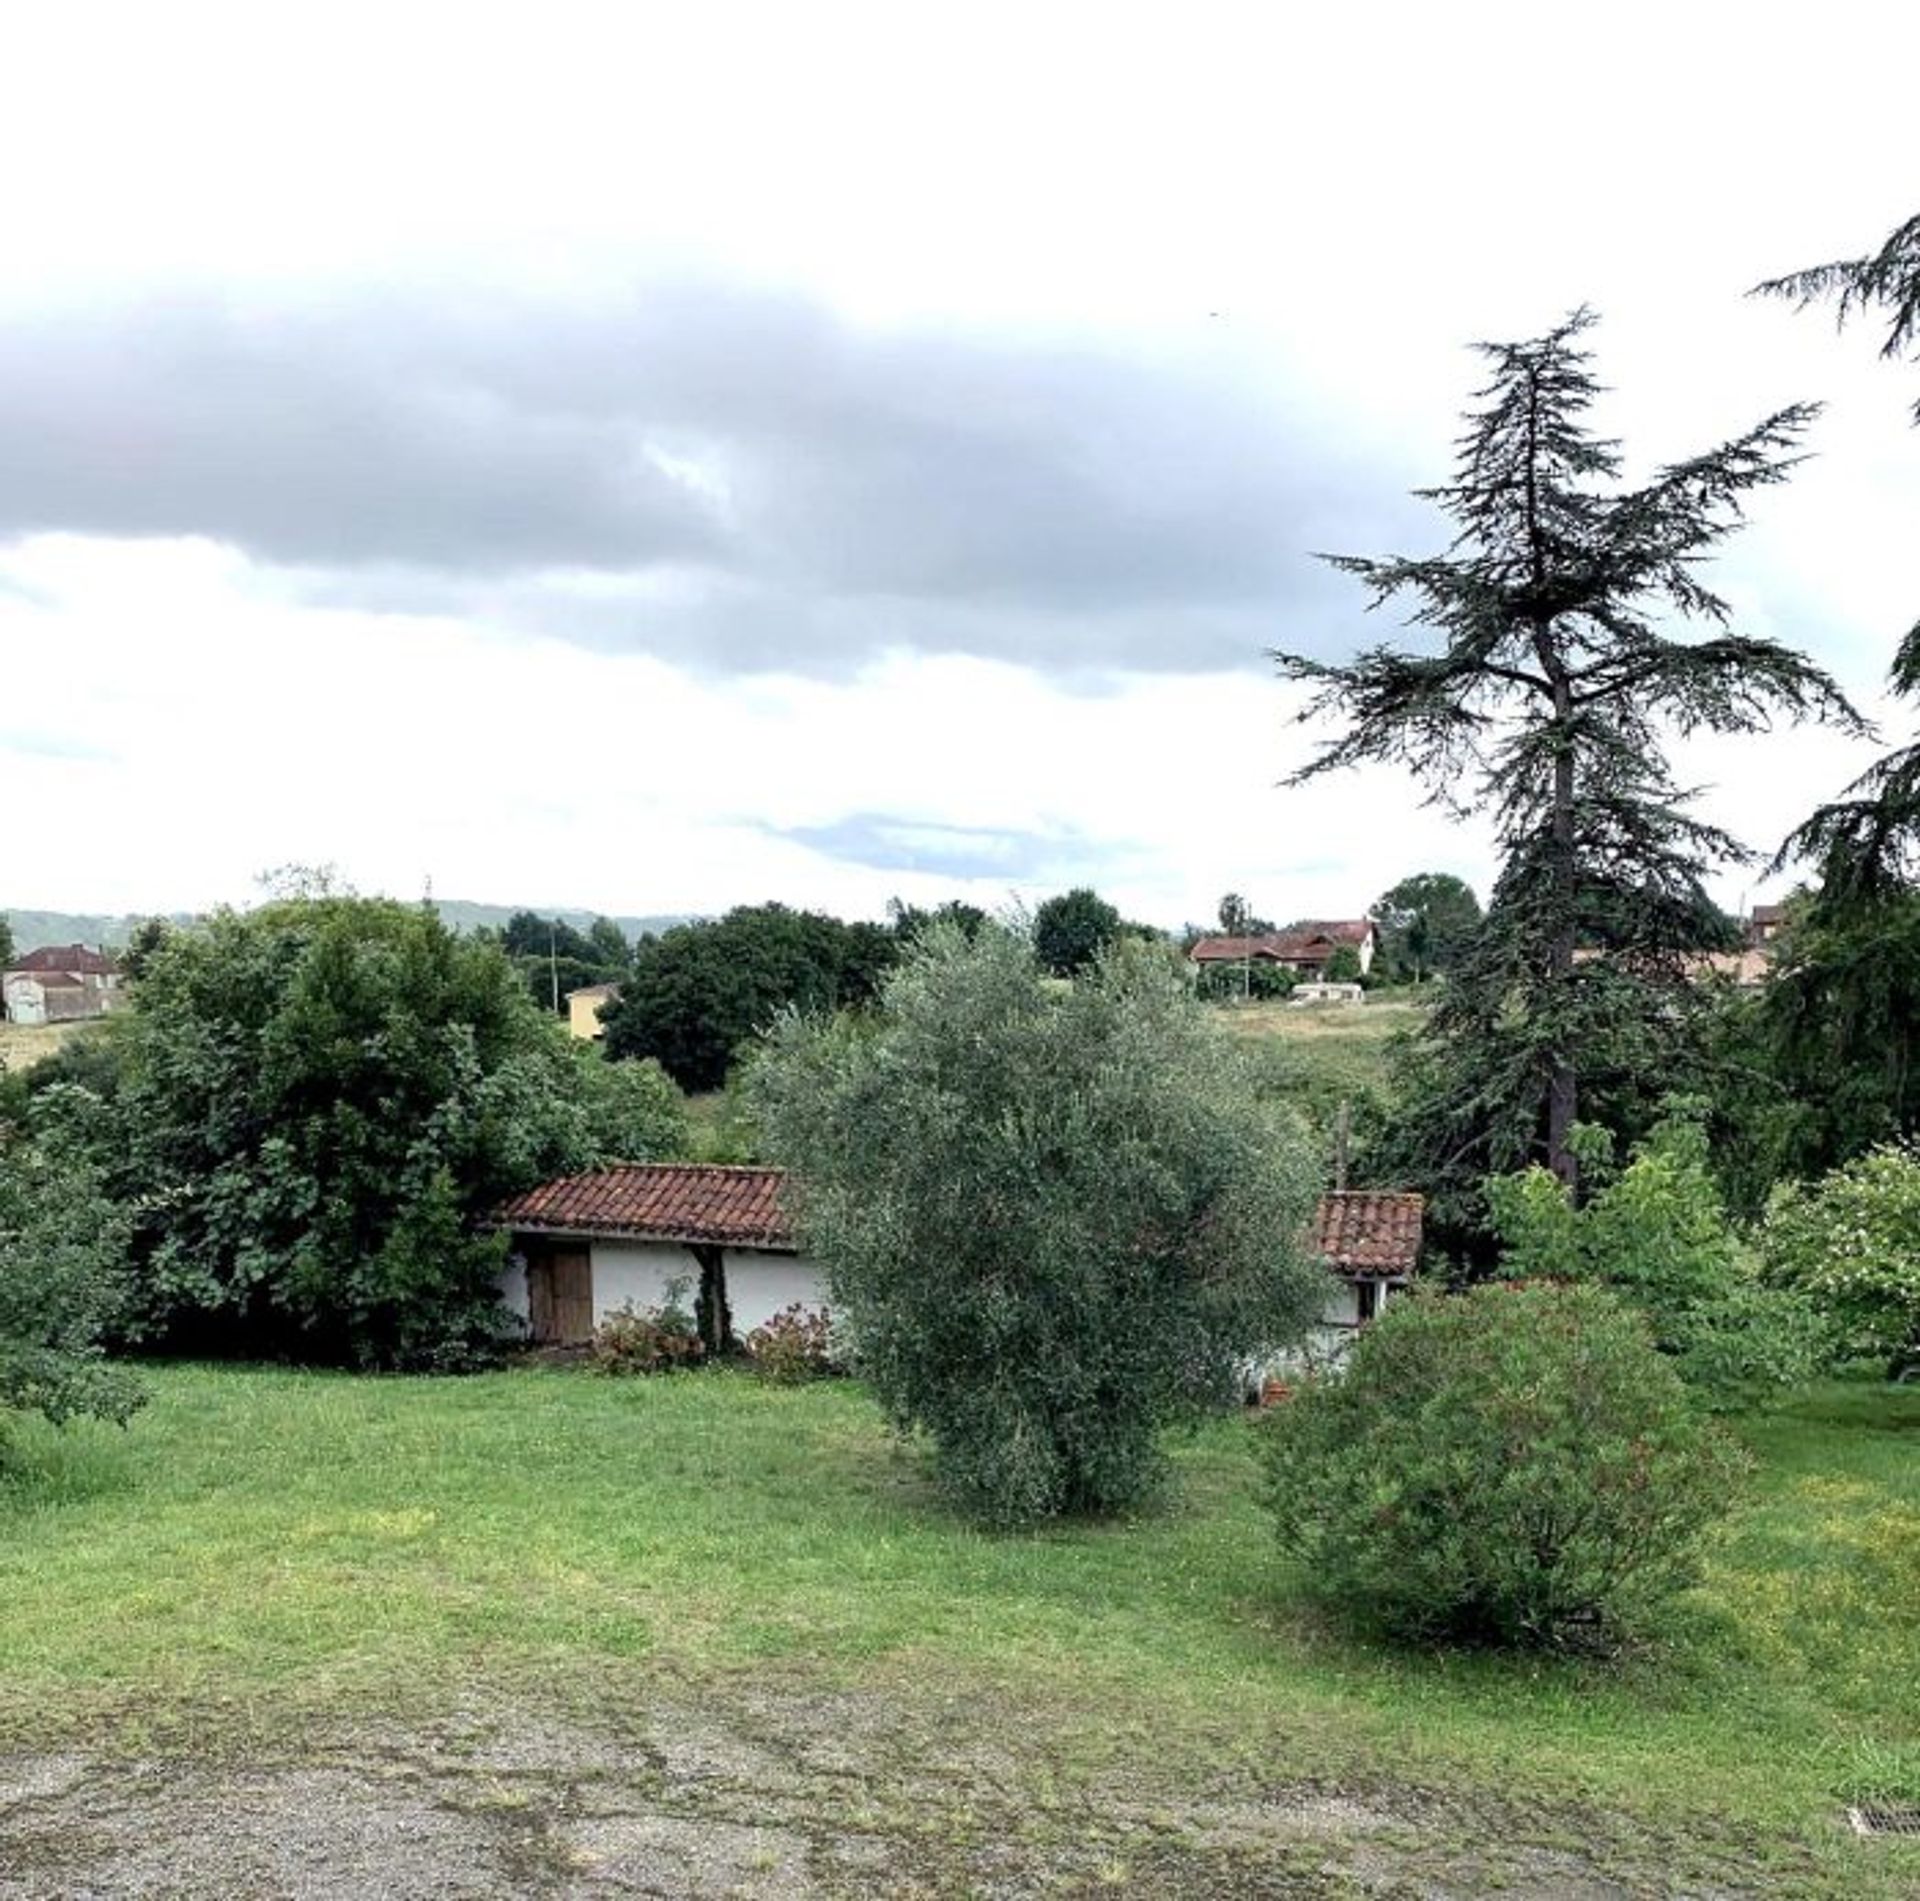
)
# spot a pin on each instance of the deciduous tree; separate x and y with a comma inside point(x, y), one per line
point(1071, 930)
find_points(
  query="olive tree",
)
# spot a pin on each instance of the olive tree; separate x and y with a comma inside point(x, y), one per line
point(1053, 1221)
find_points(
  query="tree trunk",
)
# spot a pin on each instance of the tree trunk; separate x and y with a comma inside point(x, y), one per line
point(712, 1317)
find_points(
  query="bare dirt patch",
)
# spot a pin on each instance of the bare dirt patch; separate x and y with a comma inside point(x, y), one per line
point(745, 1791)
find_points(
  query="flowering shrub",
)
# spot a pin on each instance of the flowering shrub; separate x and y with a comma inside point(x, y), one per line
point(794, 1345)
point(1513, 1465)
point(648, 1339)
point(1851, 1243)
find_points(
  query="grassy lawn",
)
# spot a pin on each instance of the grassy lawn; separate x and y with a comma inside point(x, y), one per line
point(266, 1548)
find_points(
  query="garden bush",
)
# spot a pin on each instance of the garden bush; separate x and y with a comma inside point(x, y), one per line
point(1659, 1236)
point(1850, 1242)
point(795, 1345)
point(1515, 1465)
point(649, 1339)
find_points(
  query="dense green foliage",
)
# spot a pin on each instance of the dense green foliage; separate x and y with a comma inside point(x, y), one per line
point(1555, 691)
point(308, 1109)
point(1659, 1236)
point(62, 1284)
point(699, 992)
point(1851, 1243)
point(1343, 966)
point(1425, 922)
point(556, 959)
point(1513, 1465)
point(1831, 1046)
point(1252, 979)
point(6, 942)
point(1072, 929)
point(1053, 1220)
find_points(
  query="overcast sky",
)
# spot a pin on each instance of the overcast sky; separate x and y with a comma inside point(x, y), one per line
point(658, 458)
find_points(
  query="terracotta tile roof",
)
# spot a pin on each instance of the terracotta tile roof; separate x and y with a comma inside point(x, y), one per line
point(75, 958)
point(50, 979)
point(1213, 950)
point(662, 1201)
point(1362, 1232)
point(594, 990)
point(1311, 942)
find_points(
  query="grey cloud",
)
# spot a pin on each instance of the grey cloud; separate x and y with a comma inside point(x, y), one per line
point(735, 479)
point(887, 842)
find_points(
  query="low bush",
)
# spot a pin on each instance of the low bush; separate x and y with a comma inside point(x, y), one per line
point(1515, 1465)
point(795, 1345)
point(649, 1339)
point(1659, 1236)
point(1850, 1243)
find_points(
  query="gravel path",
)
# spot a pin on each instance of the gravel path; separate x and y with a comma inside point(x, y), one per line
point(767, 1795)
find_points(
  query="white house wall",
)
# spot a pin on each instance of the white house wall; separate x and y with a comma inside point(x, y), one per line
point(759, 1285)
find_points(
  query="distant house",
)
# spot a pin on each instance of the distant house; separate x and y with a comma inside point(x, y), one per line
point(1301, 948)
point(60, 983)
point(1765, 923)
point(584, 1007)
point(586, 1245)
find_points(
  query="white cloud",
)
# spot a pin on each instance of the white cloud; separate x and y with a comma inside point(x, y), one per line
point(1240, 188)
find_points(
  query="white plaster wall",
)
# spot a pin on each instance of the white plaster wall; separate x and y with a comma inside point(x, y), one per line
point(758, 1285)
point(639, 1271)
point(761, 1285)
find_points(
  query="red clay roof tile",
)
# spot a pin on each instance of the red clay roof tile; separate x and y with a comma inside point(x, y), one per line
point(1363, 1232)
point(1355, 1232)
point(668, 1201)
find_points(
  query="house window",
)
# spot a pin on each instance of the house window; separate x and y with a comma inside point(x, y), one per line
point(1369, 1293)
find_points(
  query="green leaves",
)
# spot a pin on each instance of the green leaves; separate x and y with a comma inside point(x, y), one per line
point(1515, 1465)
point(63, 1285)
point(1052, 1219)
point(315, 1104)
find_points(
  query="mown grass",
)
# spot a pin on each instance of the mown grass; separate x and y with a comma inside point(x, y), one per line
point(268, 1545)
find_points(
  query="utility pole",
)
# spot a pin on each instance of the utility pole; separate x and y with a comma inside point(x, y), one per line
point(553, 963)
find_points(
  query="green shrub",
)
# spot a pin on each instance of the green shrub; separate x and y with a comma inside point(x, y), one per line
point(1850, 1242)
point(1659, 1236)
point(63, 1247)
point(1514, 1465)
point(1054, 1217)
point(649, 1339)
point(794, 1346)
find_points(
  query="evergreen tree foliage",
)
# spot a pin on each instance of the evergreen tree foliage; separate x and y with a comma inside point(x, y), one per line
point(1866, 844)
point(1053, 1218)
point(1546, 697)
point(6, 942)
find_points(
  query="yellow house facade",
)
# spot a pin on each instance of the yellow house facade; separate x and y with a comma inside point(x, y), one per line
point(583, 1009)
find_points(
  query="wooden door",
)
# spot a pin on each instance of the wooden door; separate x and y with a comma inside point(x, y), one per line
point(560, 1298)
